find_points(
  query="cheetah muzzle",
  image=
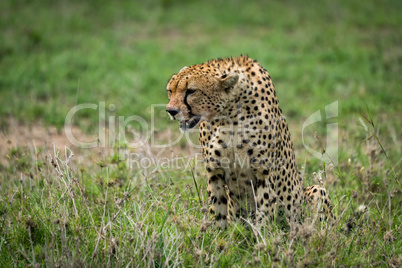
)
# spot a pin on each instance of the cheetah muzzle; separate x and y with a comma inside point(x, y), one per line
point(185, 125)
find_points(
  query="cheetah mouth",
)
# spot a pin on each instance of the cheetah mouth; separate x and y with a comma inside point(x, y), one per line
point(189, 124)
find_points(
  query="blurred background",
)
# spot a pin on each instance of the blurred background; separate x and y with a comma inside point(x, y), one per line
point(56, 54)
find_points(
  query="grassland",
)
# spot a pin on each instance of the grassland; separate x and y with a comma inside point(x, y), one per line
point(95, 209)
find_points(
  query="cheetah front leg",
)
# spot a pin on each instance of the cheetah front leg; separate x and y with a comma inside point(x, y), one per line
point(217, 197)
point(265, 198)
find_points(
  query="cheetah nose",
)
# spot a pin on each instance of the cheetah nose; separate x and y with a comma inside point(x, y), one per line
point(172, 111)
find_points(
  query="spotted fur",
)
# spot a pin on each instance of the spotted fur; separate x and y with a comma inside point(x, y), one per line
point(245, 139)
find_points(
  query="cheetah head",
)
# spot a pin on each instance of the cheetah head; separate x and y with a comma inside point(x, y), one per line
point(196, 95)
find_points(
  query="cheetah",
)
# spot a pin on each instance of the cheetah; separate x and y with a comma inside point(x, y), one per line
point(245, 140)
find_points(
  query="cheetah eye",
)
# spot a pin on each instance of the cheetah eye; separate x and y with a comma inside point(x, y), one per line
point(190, 91)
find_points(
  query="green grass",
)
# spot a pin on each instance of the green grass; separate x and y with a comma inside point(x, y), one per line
point(56, 54)
point(97, 210)
point(57, 211)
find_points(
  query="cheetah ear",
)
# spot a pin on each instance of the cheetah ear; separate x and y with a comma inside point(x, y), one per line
point(229, 81)
point(182, 69)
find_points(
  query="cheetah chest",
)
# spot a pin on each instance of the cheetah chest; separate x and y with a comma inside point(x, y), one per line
point(228, 150)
